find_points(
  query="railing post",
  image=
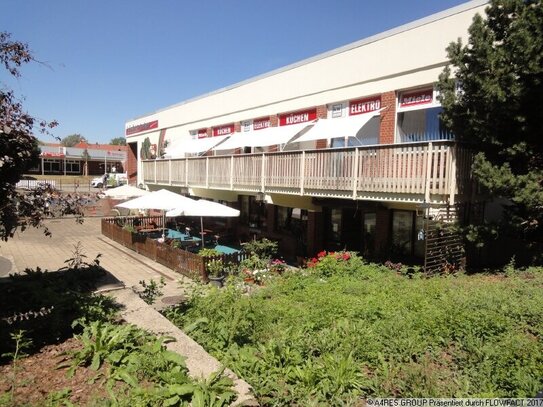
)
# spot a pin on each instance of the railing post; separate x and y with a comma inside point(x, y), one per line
point(170, 172)
point(155, 172)
point(302, 173)
point(231, 173)
point(452, 175)
point(186, 172)
point(262, 175)
point(355, 175)
point(207, 172)
point(428, 172)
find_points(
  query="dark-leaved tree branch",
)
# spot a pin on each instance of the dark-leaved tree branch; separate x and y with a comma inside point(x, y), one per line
point(19, 151)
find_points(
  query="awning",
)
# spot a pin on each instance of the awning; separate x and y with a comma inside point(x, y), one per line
point(334, 128)
point(262, 138)
point(200, 145)
point(177, 139)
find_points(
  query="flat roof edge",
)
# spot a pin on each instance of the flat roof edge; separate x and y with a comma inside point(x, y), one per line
point(365, 41)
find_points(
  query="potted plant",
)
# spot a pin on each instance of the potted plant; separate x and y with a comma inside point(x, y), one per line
point(215, 272)
point(214, 266)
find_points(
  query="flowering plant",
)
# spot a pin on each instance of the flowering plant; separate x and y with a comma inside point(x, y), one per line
point(340, 256)
point(330, 263)
point(277, 266)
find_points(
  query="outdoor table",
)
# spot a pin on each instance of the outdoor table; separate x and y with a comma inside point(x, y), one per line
point(225, 249)
point(183, 237)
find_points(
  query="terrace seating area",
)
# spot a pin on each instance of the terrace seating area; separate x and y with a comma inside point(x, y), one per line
point(177, 250)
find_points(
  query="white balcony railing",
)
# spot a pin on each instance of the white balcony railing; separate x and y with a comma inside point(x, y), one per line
point(431, 171)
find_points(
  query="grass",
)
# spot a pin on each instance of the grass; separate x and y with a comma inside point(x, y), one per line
point(317, 338)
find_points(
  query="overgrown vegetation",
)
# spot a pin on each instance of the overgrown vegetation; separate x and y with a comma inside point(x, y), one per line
point(42, 308)
point(343, 329)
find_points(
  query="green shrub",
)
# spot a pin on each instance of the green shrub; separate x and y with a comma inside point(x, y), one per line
point(338, 331)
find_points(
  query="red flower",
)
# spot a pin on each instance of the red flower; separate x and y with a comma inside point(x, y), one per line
point(321, 254)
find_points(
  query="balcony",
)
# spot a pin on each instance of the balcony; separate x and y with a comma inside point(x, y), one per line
point(435, 172)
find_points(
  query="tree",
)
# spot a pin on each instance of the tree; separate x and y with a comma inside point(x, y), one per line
point(496, 103)
point(72, 140)
point(118, 141)
point(19, 152)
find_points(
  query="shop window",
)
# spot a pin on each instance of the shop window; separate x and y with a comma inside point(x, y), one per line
point(402, 232)
point(52, 166)
point(252, 213)
point(369, 228)
point(421, 125)
point(290, 220)
point(73, 166)
point(333, 228)
point(420, 243)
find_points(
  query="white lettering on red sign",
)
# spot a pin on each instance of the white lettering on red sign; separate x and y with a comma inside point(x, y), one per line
point(223, 131)
point(364, 106)
point(299, 118)
point(416, 98)
point(261, 124)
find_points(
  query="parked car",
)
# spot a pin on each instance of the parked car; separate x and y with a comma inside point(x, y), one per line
point(109, 180)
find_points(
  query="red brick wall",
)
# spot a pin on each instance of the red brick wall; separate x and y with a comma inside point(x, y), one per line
point(388, 118)
point(274, 122)
point(132, 163)
point(322, 112)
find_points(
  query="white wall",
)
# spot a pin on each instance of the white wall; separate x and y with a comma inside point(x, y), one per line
point(408, 56)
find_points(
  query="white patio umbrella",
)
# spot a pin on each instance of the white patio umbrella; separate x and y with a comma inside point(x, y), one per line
point(204, 208)
point(125, 192)
point(163, 200)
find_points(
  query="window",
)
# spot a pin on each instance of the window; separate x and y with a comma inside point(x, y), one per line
point(333, 228)
point(402, 232)
point(52, 165)
point(368, 239)
point(291, 220)
point(421, 125)
point(253, 213)
point(73, 166)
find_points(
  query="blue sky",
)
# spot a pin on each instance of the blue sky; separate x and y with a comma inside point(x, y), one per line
point(109, 61)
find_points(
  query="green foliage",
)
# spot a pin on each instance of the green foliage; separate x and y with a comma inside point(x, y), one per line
point(152, 290)
point(45, 303)
point(208, 252)
point(72, 140)
point(19, 152)
point(118, 141)
point(499, 108)
point(262, 248)
point(151, 374)
point(22, 344)
point(332, 334)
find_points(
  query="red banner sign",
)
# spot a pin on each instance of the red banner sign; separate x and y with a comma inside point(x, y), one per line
point(362, 106)
point(223, 130)
point(260, 124)
point(202, 133)
point(142, 127)
point(420, 97)
point(52, 155)
point(298, 117)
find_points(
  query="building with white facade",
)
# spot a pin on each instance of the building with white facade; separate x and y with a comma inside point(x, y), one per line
point(342, 150)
